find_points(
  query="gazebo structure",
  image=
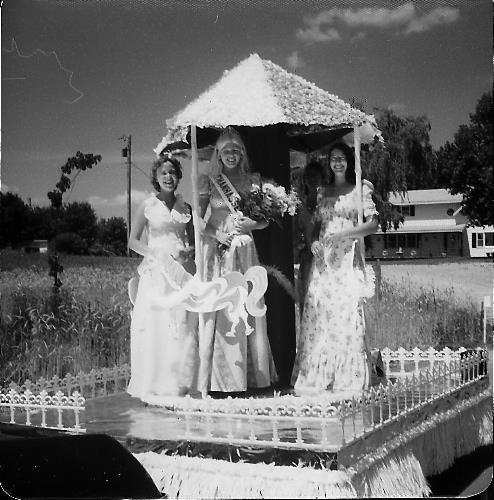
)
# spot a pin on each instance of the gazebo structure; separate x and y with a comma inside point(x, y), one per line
point(275, 111)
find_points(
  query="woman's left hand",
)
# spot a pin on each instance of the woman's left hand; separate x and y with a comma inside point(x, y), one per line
point(244, 225)
point(332, 238)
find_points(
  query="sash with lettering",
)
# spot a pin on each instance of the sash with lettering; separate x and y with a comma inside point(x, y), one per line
point(230, 196)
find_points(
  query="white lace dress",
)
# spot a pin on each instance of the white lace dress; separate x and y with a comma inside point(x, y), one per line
point(332, 354)
point(163, 342)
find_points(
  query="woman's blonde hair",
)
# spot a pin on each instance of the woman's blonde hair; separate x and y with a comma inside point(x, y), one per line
point(228, 137)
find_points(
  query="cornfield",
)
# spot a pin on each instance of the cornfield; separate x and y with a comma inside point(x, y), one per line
point(85, 324)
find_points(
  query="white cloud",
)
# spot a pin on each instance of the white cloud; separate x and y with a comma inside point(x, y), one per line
point(316, 34)
point(326, 26)
point(436, 17)
point(119, 200)
point(377, 17)
point(294, 61)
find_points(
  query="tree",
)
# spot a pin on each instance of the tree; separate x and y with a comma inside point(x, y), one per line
point(79, 162)
point(79, 218)
point(15, 228)
point(467, 164)
point(112, 235)
point(43, 222)
point(404, 161)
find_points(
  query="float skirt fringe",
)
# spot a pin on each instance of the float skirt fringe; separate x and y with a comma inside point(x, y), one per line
point(397, 467)
point(193, 477)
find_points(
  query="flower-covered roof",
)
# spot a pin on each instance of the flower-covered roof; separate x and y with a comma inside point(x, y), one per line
point(258, 92)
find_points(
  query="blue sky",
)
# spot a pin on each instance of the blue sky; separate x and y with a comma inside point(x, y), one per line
point(76, 75)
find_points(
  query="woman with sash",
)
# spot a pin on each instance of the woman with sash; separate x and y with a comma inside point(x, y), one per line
point(242, 360)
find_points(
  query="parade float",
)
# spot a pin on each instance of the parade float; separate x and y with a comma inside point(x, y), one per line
point(428, 409)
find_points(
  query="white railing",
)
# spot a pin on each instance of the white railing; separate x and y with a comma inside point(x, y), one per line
point(402, 363)
point(57, 411)
point(316, 422)
point(100, 382)
point(383, 405)
point(330, 426)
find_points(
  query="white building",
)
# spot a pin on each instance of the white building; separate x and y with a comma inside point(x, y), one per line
point(434, 227)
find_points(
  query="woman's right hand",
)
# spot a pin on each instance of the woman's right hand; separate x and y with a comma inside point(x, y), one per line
point(225, 238)
point(317, 249)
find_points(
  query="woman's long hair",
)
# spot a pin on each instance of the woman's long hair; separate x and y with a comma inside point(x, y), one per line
point(350, 162)
point(313, 168)
point(228, 136)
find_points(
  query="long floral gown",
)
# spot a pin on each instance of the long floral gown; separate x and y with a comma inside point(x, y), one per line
point(332, 354)
point(164, 344)
point(241, 361)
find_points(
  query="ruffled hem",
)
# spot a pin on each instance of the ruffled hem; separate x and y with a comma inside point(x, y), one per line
point(330, 371)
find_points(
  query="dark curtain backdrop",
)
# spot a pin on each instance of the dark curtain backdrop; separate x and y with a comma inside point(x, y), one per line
point(268, 152)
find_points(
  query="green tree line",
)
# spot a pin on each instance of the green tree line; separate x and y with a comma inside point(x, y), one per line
point(71, 228)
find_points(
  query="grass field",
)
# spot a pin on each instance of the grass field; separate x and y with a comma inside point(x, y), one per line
point(86, 323)
point(467, 280)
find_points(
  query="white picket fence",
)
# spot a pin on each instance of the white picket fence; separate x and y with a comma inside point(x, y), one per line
point(58, 411)
point(414, 379)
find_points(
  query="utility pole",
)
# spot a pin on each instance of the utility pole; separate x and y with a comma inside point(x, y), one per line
point(127, 153)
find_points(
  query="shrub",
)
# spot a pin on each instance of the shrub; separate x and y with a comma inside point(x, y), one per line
point(70, 243)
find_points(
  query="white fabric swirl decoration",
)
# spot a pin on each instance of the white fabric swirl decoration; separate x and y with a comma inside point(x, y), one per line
point(229, 292)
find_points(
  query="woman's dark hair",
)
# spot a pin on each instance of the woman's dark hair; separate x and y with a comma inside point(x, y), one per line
point(312, 168)
point(167, 158)
point(350, 161)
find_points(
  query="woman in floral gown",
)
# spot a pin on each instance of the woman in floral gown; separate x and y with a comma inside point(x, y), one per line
point(242, 360)
point(164, 345)
point(332, 354)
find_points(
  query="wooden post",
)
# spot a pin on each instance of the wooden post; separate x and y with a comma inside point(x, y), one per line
point(195, 202)
point(484, 304)
point(358, 182)
point(358, 173)
point(129, 181)
point(378, 279)
point(205, 343)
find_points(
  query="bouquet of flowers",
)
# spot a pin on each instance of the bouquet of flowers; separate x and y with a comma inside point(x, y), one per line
point(268, 202)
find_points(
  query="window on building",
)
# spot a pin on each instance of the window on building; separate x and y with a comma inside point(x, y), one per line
point(390, 241)
point(407, 210)
point(481, 239)
point(412, 241)
point(395, 241)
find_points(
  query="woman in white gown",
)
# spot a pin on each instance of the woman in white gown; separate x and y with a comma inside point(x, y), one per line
point(164, 345)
